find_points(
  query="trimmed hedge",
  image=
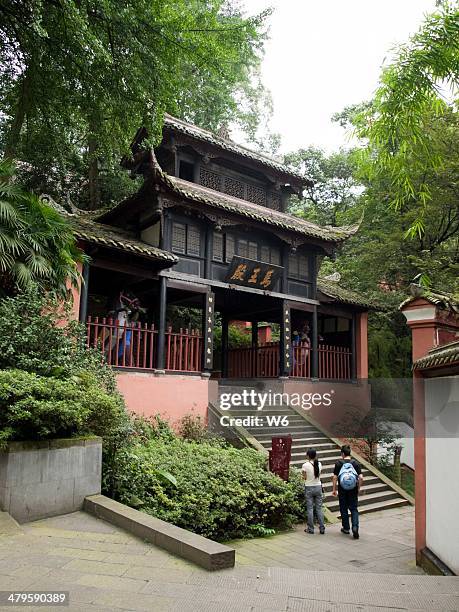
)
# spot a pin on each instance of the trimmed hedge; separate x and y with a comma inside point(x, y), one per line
point(34, 407)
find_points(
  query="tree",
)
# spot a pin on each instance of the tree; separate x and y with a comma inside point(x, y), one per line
point(37, 245)
point(409, 98)
point(333, 191)
point(79, 78)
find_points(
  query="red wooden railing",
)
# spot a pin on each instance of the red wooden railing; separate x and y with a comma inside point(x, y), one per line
point(334, 362)
point(183, 350)
point(134, 345)
point(263, 362)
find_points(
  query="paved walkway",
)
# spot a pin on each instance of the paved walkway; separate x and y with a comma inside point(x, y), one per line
point(105, 568)
point(386, 546)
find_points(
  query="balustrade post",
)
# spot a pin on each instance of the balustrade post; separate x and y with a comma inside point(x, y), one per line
point(315, 345)
point(161, 322)
point(353, 348)
point(225, 345)
point(255, 348)
point(84, 286)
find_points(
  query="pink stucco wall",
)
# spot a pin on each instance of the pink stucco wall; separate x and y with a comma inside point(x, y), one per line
point(170, 396)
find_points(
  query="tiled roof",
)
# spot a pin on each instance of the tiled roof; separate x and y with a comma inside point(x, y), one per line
point(443, 300)
point(333, 290)
point(216, 199)
point(105, 235)
point(228, 145)
point(441, 356)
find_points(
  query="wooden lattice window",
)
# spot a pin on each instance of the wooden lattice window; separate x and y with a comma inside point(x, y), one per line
point(217, 247)
point(186, 239)
point(270, 255)
point(243, 248)
point(275, 256)
point(234, 187)
point(253, 250)
point(275, 201)
point(256, 194)
point(210, 179)
point(230, 248)
point(178, 237)
point(193, 240)
point(298, 266)
point(303, 267)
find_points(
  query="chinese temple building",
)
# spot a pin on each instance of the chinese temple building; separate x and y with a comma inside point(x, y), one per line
point(208, 233)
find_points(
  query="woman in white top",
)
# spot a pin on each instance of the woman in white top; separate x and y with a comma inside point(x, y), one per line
point(313, 491)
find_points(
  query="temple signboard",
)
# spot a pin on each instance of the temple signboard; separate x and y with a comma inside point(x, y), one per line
point(251, 273)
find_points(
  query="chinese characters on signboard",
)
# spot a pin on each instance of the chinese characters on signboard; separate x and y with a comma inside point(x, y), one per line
point(251, 273)
point(208, 331)
point(287, 339)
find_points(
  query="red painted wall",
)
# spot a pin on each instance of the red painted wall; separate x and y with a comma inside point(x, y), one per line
point(361, 345)
point(170, 396)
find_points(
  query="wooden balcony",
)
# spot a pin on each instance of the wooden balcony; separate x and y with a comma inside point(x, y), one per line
point(135, 346)
point(334, 362)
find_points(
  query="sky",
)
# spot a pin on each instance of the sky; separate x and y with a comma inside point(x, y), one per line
point(324, 55)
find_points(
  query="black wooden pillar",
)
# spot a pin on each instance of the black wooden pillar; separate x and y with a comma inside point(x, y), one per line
point(315, 345)
point(208, 332)
point(83, 312)
point(285, 344)
point(160, 362)
point(353, 348)
point(255, 348)
point(208, 253)
point(225, 345)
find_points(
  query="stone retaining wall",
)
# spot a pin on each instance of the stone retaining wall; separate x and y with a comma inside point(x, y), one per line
point(42, 479)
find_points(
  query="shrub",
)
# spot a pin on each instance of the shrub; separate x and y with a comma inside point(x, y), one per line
point(221, 493)
point(34, 407)
point(36, 336)
point(194, 429)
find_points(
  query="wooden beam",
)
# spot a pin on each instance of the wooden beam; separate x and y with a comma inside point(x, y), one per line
point(107, 264)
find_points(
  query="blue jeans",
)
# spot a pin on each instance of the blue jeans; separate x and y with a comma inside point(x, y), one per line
point(314, 500)
point(348, 501)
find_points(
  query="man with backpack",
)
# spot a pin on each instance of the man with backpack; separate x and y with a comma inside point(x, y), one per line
point(348, 475)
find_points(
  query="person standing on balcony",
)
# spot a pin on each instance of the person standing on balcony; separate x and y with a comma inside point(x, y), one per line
point(313, 491)
point(348, 476)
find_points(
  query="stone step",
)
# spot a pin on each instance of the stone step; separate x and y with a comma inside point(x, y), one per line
point(303, 448)
point(266, 430)
point(377, 487)
point(305, 442)
point(284, 410)
point(367, 499)
point(368, 482)
point(324, 453)
point(385, 505)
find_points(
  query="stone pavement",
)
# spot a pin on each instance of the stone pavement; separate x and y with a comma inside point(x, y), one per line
point(386, 546)
point(105, 568)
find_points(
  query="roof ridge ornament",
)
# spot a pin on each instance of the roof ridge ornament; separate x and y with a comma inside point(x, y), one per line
point(223, 132)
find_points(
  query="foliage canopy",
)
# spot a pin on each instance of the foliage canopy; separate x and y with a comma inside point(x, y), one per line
point(79, 78)
point(37, 245)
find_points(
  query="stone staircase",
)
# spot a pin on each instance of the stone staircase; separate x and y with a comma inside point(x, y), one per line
point(378, 492)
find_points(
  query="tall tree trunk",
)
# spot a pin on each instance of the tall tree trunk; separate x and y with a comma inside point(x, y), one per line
point(22, 108)
point(94, 190)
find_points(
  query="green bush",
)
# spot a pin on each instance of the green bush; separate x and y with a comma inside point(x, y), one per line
point(221, 493)
point(34, 407)
point(194, 429)
point(36, 336)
